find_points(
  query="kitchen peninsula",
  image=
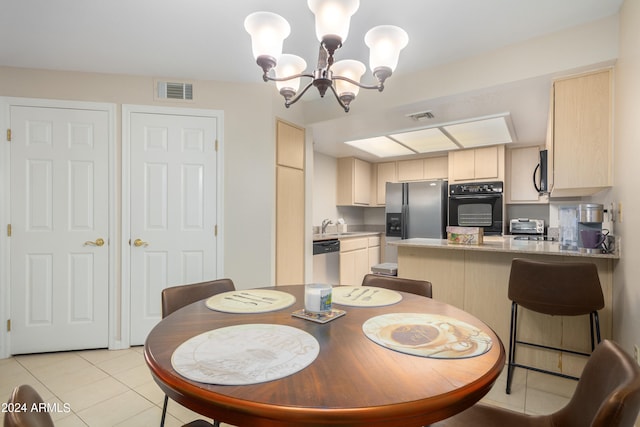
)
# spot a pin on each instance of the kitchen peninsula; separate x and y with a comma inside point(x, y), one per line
point(475, 278)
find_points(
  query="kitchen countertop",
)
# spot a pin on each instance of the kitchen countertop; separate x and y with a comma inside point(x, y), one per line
point(349, 234)
point(503, 244)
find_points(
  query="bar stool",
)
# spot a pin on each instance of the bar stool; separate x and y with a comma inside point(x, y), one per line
point(556, 289)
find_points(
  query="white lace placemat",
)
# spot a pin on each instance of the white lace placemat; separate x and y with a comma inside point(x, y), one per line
point(428, 335)
point(364, 296)
point(250, 301)
point(245, 354)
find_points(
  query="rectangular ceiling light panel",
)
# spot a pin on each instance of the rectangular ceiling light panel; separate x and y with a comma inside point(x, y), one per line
point(481, 132)
point(380, 146)
point(425, 140)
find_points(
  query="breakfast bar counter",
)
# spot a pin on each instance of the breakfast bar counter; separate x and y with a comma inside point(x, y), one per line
point(475, 278)
point(507, 244)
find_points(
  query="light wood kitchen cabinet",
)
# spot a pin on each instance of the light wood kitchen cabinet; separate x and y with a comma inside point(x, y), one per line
point(354, 260)
point(375, 251)
point(521, 163)
point(410, 170)
point(477, 164)
point(385, 172)
point(422, 169)
point(436, 167)
point(357, 256)
point(290, 141)
point(581, 144)
point(354, 182)
point(290, 248)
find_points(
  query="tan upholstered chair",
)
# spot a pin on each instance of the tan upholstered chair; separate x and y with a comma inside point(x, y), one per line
point(557, 289)
point(418, 287)
point(607, 395)
point(177, 297)
point(27, 395)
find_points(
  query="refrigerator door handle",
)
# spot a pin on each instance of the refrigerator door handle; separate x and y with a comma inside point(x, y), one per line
point(405, 210)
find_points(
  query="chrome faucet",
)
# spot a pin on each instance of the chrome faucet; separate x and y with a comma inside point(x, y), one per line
point(325, 223)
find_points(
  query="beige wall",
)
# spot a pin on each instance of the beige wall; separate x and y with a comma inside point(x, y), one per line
point(555, 53)
point(249, 149)
point(626, 326)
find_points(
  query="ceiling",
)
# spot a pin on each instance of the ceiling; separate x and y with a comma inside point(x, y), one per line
point(206, 40)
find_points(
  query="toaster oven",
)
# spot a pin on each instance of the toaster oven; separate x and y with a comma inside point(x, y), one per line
point(526, 226)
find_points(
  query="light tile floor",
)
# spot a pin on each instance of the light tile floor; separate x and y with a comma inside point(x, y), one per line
point(114, 388)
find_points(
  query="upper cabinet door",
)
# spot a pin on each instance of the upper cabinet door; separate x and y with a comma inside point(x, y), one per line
point(436, 167)
point(582, 137)
point(290, 145)
point(386, 172)
point(354, 182)
point(462, 167)
point(477, 164)
point(411, 170)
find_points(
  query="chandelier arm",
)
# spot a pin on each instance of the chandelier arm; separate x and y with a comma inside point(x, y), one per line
point(267, 77)
point(299, 95)
point(342, 104)
point(379, 86)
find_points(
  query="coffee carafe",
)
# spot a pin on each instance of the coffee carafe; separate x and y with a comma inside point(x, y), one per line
point(590, 235)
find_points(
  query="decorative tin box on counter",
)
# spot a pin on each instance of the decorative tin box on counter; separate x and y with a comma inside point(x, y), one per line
point(465, 235)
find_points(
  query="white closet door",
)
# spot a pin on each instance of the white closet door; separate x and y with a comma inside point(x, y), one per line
point(173, 209)
point(60, 225)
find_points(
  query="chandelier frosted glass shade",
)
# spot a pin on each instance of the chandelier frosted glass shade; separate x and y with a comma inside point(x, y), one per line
point(332, 18)
point(289, 65)
point(268, 31)
point(385, 43)
point(351, 69)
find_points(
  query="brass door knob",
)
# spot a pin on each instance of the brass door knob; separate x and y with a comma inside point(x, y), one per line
point(139, 242)
point(99, 242)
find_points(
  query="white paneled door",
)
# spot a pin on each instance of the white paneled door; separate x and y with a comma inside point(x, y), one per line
point(173, 209)
point(60, 226)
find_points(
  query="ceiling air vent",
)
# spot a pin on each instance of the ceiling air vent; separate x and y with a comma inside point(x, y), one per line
point(421, 116)
point(168, 90)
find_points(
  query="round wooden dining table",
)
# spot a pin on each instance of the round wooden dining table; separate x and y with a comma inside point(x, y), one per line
point(353, 381)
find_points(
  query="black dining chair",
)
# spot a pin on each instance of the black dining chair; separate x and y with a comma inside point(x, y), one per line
point(556, 289)
point(607, 395)
point(176, 297)
point(418, 287)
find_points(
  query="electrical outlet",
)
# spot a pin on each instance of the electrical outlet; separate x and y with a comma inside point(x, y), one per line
point(619, 211)
point(636, 353)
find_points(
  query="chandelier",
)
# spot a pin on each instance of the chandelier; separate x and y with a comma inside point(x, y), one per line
point(332, 17)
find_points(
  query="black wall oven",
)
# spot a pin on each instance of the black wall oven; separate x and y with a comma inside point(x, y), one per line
point(477, 204)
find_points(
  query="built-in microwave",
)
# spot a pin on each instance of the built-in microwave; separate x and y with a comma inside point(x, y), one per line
point(477, 204)
point(540, 182)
